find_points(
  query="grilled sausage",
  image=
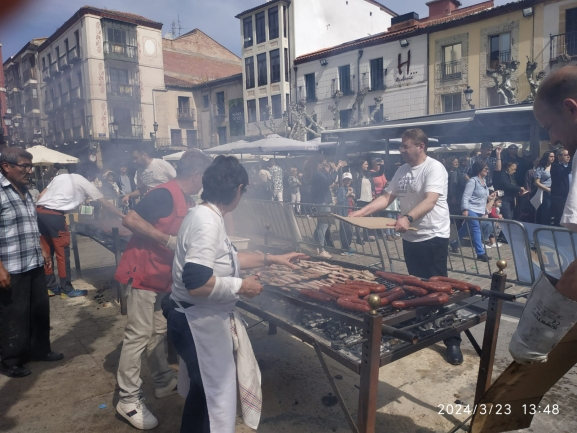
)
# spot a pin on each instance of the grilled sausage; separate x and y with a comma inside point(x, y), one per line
point(361, 291)
point(386, 294)
point(456, 284)
point(393, 278)
point(327, 291)
point(351, 304)
point(373, 287)
point(435, 286)
point(393, 297)
point(431, 299)
point(417, 291)
point(314, 294)
point(344, 291)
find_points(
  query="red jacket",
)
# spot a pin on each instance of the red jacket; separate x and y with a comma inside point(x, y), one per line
point(145, 261)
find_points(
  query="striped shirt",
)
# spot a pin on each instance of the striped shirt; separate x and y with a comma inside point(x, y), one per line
point(19, 236)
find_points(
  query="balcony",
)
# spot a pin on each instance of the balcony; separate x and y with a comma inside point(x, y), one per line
point(31, 104)
point(563, 46)
point(73, 55)
point(29, 74)
point(128, 131)
point(122, 90)
point(120, 50)
point(497, 58)
point(63, 63)
point(54, 71)
point(65, 99)
point(377, 81)
point(48, 106)
point(185, 113)
point(76, 94)
point(346, 85)
point(451, 70)
point(46, 75)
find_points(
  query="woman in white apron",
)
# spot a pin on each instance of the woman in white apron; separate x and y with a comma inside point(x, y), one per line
point(206, 286)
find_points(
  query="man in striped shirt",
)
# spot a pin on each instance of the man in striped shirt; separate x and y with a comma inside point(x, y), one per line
point(24, 307)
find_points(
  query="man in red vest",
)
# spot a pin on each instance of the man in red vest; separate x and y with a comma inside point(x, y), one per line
point(146, 271)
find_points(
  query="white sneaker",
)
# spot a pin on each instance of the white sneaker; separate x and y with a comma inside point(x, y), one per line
point(168, 390)
point(137, 414)
point(325, 255)
point(488, 246)
point(498, 244)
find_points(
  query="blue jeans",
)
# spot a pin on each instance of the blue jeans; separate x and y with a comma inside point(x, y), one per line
point(322, 226)
point(195, 413)
point(390, 232)
point(475, 229)
point(486, 230)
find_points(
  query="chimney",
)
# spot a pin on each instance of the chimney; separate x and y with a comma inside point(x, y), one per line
point(404, 21)
point(442, 8)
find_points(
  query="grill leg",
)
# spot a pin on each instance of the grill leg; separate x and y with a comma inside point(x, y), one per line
point(370, 363)
point(75, 246)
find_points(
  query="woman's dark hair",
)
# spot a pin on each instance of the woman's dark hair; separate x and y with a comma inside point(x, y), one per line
point(545, 159)
point(449, 162)
point(477, 168)
point(509, 164)
point(222, 178)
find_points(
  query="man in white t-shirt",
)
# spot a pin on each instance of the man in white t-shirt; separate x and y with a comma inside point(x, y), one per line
point(63, 195)
point(151, 173)
point(551, 309)
point(421, 186)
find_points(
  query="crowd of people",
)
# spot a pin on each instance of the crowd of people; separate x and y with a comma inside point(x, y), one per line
point(182, 273)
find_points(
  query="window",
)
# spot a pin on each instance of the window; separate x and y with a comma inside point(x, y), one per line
point(249, 72)
point(263, 110)
point(184, 110)
point(284, 21)
point(345, 117)
point(379, 114)
point(43, 63)
point(286, 65)
point(499, 50)
point(345, 80)
point(251, 110)
point(57, 53)
point(221, 131)
point(451, 102)
point(119, 39)
point(287, 102)
point(129, 122)
point(77, 39)
point(571, 31)
point(260, 28)
point(205, 101)
point(276, 101)
point(176, 137)
point(261, 65)
point(66, 45)
point(451, 65)
point(273, 23)
point(220, 104)
point(377, 76)
point(247, 26)
point(116, 36)
point(310, 88)
point(191, 139)
point(274, 66)
point(494, 98)
point(121, 82)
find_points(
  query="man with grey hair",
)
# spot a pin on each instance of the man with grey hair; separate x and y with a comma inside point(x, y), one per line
point(560, 181)
point(24, 307)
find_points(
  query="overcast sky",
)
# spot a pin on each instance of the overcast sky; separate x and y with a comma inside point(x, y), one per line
point(40, 18)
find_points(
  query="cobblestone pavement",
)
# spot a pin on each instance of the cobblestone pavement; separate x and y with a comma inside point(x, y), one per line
point(66, 396)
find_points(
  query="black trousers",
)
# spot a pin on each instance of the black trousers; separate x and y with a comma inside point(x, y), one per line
point(195, 415)
point(557, 207)
point(429, 259)
point(24, 318)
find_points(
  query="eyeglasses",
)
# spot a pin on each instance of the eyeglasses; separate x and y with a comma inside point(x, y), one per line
point(27, 167)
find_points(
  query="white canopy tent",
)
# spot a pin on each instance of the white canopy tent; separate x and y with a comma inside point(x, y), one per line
point(44, 156)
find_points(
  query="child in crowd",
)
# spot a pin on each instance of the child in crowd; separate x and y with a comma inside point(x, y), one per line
point(346, 204)
point(490, 229)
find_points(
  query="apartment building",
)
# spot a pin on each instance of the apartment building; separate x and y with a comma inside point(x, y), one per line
point(98, 72)
point(22, 97)
point(559, 32)
point(200, 77)
point(275, 33)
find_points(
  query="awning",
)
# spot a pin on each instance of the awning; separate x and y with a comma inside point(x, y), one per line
point(506, 123)
point(44, 156)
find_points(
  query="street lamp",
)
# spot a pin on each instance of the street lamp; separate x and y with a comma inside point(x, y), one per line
point(115, 128)
point(469, 97)
point(153, 134)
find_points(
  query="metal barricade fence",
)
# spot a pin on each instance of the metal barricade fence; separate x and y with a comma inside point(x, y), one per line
point(556, 248)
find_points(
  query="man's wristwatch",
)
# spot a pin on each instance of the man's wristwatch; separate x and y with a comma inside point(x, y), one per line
point(409, 217)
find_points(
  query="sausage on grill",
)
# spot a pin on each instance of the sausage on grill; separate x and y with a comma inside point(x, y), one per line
point(417, 291)
point(354, 304)
point(328, 291)
point(361, 291)
point(456, 284)
point(393, 297)
point(386, 294)
point(314, 294)
point(430, 299)
point(373, 287)
point(393, 278)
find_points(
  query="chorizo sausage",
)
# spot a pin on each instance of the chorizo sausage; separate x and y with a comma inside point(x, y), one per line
point(327, 291)
point(343, 291)
point(351, 304)
point(417, 291)
point(386, 294)
point(430, 299)
point(435, 286)
point(314, 294)
point(393, 297)
point(373, 287)
point(361, 291)
point(456, 284)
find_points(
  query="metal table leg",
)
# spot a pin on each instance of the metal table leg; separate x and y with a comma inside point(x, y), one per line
point(75, 245)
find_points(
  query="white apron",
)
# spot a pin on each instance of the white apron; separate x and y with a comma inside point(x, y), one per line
point(211, 329)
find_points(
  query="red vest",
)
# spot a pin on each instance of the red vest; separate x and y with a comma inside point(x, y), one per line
point(145, 261)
